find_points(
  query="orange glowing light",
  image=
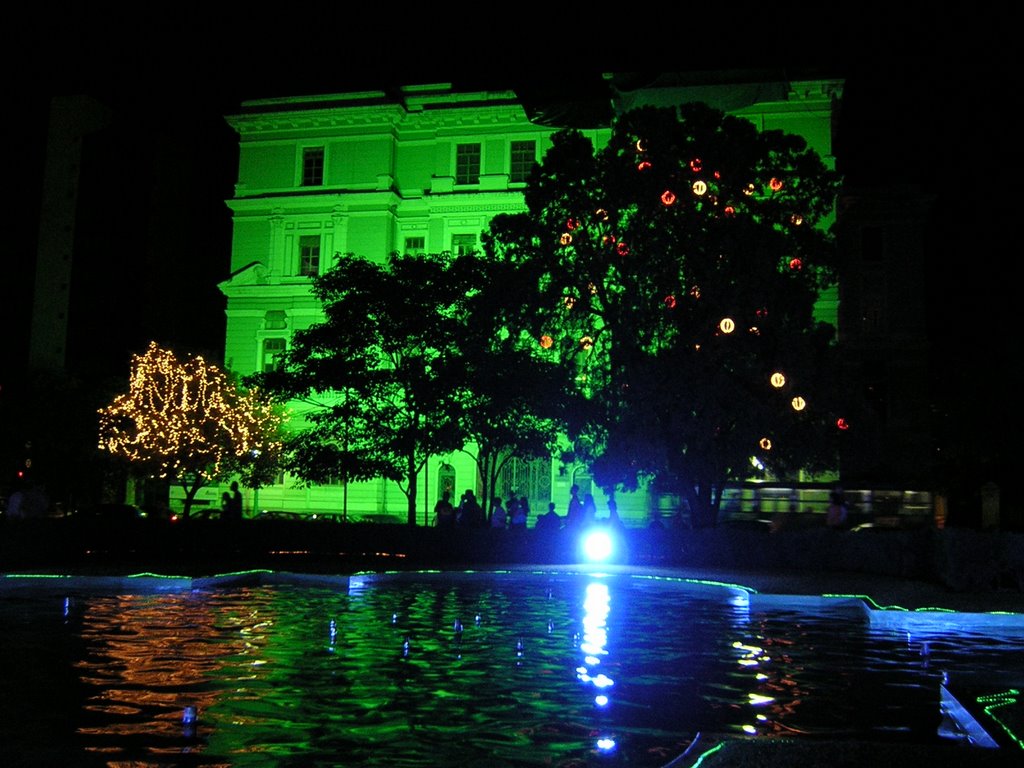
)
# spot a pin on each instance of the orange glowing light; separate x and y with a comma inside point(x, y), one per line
point(778, 380)
point(749, 189)
point(729, 210)
point(546, 341)
point(602, 214)
point(587, 342)
point(765, 444)
point(727, 325)
point(641, 145)
point(565, 239)
point(798, 403)
point(668, 197)
point(796, 219)
point(695, 291)
point(775, 184)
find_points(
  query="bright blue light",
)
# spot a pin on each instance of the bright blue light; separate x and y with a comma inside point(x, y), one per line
point(598, 545)
point(606, 744)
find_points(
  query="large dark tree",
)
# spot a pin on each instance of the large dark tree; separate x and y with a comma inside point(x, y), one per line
point(375, 376)
point(514, 401)
point(676, 269)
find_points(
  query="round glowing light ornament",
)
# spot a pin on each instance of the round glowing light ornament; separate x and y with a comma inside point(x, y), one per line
point(796, 219)
point(699, 187)
point(643, 165)
point(695, 165)
point(670, 301)
point(749, 189)
point(842, 424)
point(587, 342)
point(668, 197)
point(546, 341)
point(641, 145)
point(775, 184)
point(778, 380)
point(622, 249)
point(602, 214)
point(729, 210)
point(565, 239)
point(727, 325)
point(765, 444)
point(798, 403)
point(796, 264)
point(571, 224)
point(570, 302)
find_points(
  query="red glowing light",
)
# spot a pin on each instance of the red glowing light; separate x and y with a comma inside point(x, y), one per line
point(571, 224)
point(795, 264)
point(729, 210)
point(643, 165)
point(695, 165)
point(842, 424)
point(668, 197)
point(775, 184)
point(670, 301)
point(622, 249)
point(546, 341)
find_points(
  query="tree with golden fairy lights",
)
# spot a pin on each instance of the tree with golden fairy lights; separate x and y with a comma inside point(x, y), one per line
point(186, 421)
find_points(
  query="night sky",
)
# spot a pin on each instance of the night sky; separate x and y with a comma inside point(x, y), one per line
point(921, 106)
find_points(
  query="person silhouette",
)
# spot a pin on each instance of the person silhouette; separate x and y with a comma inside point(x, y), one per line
point(574, 515)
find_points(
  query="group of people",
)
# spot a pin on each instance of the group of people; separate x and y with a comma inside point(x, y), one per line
point(470, 514)
point(514, 513)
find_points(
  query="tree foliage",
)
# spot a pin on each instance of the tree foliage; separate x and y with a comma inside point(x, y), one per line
point(514, 402)
point(373, 376)
point(675, 270)
point(185, 420)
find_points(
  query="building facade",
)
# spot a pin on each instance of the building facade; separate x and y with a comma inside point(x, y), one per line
point(422, 170)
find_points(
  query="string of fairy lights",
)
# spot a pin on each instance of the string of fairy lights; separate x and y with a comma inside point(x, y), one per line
point(186, 417)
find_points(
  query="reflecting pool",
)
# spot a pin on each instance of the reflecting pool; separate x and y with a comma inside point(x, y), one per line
point(493, 669)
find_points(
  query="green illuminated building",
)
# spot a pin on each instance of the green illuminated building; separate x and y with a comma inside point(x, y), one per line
point(421, 170)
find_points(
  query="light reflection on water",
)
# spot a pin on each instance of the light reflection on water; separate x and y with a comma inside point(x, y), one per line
point(477, 670)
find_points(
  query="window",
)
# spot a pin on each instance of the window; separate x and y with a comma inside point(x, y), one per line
point(467, 164)
point(313, 166)
point(275, 320)
point(463, 244)
point(273, 350)
point(415, 246)
point(309, 255)
point(524, 154)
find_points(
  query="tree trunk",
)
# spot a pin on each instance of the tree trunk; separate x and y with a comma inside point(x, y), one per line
point(190, 495)
point(411, 494)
